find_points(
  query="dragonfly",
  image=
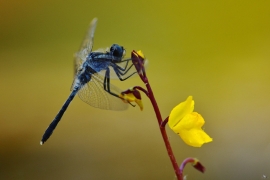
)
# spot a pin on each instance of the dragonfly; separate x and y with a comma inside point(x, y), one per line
point(93, 71)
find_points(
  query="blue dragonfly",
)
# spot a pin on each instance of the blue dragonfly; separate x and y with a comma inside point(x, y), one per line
point(93, 71)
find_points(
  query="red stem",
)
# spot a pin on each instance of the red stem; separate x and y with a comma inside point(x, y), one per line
point(187, 160)
point(163, 124)
point(163, 131)
point(138, 62)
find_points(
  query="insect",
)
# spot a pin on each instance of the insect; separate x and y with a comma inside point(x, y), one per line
point(93, 71)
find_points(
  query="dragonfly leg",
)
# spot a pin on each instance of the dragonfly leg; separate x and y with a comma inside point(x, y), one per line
point(127, 61)
point(124, 70)
point(119, 74)
point(106, 83)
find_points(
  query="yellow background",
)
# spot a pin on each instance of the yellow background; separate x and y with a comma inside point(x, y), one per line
point(216, 51)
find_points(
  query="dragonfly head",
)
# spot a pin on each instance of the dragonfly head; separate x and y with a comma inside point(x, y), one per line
point(117, 52)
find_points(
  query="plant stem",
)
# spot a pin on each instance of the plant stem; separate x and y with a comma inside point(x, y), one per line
point(163, 131)
point(187, 160)
point(138, 61)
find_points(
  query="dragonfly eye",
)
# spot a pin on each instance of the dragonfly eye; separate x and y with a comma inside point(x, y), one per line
point(117, 50)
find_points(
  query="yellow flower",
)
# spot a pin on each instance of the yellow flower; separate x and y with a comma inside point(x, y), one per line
point(132, 95)
point(188, 124)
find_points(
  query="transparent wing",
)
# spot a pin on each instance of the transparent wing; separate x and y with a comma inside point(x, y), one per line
point(86, 46)
point(94, 94)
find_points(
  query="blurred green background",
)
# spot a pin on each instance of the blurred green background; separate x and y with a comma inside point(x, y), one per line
point(216, 51)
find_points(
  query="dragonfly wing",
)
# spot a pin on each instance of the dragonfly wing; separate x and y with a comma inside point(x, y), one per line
point(85, 49)
point(86, 46)
point(89, 37)
point(94, 94)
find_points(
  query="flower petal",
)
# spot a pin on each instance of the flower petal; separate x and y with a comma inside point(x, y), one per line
point(140, 104)
point(180, 111)
point(132, 95)
point(189, 129)
point(127, 97)
point(195, 137)
point(140, 53)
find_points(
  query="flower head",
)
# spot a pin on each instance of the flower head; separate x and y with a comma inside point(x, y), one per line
point(132, 95)
point(195, 163)
point(138, 60)
point(188, 124)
